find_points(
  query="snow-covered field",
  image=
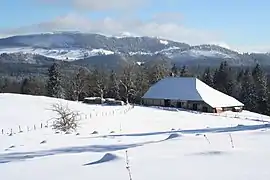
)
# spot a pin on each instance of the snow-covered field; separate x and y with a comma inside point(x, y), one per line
point(160, 143)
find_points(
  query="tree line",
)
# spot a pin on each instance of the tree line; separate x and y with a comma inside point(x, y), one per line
point(249, 85)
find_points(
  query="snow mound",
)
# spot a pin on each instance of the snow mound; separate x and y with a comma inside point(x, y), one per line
point(173, 136)
point(106, 158)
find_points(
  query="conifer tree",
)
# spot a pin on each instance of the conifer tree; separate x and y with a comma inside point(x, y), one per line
point(184, 72)
point(158, 71)
point(262, 94)
point(207, 77)
point(141, 84)
point(113, 87)
point(25, 87)
point(247, 95)
point(223, 79)
point(175, 70)
point(54, 88)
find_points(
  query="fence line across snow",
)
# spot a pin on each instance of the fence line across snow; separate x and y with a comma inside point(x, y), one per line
point(42, 125)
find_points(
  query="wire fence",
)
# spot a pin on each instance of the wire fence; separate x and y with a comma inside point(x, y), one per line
point(43, 125)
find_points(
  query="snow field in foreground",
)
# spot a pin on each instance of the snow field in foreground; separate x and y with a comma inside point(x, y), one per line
point(161, 144)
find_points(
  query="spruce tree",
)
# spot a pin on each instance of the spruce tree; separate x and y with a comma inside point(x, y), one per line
point(247, 94)
point(240, 75)
point(184, 72)
point(262, 95)
point(113, 87)
point(54, 88)
point(223, 79)
point(141, 84)
point(207, 77)
point(175, 70)
point(25, 87)
point(158, 71)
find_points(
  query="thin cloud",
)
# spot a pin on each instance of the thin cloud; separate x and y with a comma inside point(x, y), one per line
point(110, 26)
point(100, 5)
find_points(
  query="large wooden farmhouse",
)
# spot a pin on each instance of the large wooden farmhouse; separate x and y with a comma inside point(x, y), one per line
point(189, 93)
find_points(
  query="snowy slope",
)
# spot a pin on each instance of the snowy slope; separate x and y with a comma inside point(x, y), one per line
point(161, 143)
point(59, 54)
point(76, 45)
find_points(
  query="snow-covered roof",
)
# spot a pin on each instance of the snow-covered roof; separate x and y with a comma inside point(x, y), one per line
point(190, 89)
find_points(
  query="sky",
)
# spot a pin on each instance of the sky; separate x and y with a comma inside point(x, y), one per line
point(241, 25)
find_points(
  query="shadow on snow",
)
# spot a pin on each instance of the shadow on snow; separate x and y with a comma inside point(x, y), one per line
point(20, 156)
point(198, 131)
point(106, 158)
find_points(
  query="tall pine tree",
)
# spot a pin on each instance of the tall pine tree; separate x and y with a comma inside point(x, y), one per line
point(175, 70)
point(25, 88)
point(207, 77)
point(184, 72)
point(247, 94)
point(223, 79)
point(113, 87)
point(262, 95)
point(158, 71)
point(54, 88)
point(141, 84)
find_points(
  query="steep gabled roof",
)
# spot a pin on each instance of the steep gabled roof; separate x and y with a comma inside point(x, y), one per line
point(189, 89)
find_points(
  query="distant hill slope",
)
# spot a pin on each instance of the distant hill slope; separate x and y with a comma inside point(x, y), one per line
point(96, 49)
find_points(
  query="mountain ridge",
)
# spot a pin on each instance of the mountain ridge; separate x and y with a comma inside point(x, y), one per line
point(84, 47)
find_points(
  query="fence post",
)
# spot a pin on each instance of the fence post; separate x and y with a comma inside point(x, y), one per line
point(41, 125)
point(34, 127)
point(2, 131)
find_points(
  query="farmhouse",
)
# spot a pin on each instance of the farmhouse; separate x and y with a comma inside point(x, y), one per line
point(189, 93)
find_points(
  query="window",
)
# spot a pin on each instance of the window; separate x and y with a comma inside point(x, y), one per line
point(167, 103)
point(195, 107)
point(205, 109)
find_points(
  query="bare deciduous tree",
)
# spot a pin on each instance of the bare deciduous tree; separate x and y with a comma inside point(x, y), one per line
point(79, 83)
point(100, 82)
point(127, 81)
point(67, 120)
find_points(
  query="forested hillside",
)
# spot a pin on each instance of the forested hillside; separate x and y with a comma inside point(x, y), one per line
point(249, 85)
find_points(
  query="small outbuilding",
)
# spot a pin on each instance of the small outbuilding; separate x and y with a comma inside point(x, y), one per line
point(189, 93)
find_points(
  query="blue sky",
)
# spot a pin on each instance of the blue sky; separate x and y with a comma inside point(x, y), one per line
point(237, 23)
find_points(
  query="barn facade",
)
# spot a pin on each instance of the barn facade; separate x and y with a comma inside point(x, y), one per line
point(189, 93)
